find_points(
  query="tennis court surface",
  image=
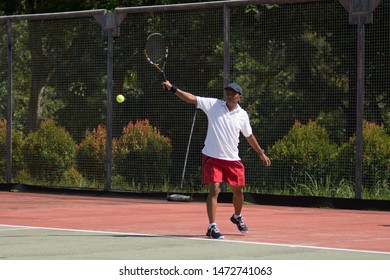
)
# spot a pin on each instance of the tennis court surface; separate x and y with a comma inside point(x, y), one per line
point(41, 226)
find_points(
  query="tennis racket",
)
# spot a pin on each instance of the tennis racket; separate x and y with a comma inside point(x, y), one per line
point(156, 52)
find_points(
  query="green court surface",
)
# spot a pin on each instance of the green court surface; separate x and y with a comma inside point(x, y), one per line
point(34, 243)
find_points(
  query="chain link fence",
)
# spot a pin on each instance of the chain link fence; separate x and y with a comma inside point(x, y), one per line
point(299, 65)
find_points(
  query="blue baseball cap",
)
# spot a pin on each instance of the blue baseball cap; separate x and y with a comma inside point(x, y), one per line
point(235, 87)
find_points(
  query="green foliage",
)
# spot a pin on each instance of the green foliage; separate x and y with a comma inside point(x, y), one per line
point(17, 140)
point(306, 149)
point(335, 123)
point(140, 156)
point(73, 178)
point(20, 72)
point(143, 155)
point(325, 186)
point(92, 154)
point(49, 152)
point(376, 160)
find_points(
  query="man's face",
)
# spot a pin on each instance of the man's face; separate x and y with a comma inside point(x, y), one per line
point(232, 95)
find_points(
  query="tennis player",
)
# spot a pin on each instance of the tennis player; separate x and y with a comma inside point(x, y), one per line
point(221, 162)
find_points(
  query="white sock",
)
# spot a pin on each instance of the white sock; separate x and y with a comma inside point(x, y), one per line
point(212, 224)
point(236, 216)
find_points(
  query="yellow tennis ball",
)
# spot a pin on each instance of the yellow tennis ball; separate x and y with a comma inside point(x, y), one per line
point(120, 98)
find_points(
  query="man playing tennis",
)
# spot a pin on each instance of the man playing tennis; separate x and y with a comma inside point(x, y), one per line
point(220, 161)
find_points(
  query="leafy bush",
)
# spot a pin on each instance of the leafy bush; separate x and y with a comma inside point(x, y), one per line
point(17, 140)
point(376, 156)
point(143, 154)
point(305, 152)
point(48, 152)
point(73, 178)
point(335, 123)
point(92, 154)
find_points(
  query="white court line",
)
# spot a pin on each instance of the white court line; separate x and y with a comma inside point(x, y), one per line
point(195, 238)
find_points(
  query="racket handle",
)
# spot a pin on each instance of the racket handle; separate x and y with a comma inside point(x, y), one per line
point(164, 79)
point(163, 76)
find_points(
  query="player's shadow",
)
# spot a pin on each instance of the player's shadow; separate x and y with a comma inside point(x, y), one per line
point(200, 236)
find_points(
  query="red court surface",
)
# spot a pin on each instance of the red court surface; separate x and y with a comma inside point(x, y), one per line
point(328, 228)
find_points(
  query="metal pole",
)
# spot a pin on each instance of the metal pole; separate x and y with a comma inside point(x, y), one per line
point(226, 45)
point(109, 109)
point(9, 104)
point(205, 5)
point(359, 108)
point(188, 150)
point(360, 13)
point(226, 59)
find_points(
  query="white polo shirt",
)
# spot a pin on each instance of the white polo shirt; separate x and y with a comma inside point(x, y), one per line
point(224, 128)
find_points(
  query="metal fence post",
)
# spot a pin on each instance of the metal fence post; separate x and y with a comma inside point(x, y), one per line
point(226, 59)
point(226, 45)
point(360, 13)
point(110, 28)
point(9, 104)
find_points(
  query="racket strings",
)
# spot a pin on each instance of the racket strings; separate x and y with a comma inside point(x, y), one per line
point(156, 49)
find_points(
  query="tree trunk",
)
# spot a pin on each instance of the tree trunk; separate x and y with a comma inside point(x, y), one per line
point(38, 75)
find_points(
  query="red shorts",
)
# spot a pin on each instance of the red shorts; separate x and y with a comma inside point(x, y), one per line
point(218, 170)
